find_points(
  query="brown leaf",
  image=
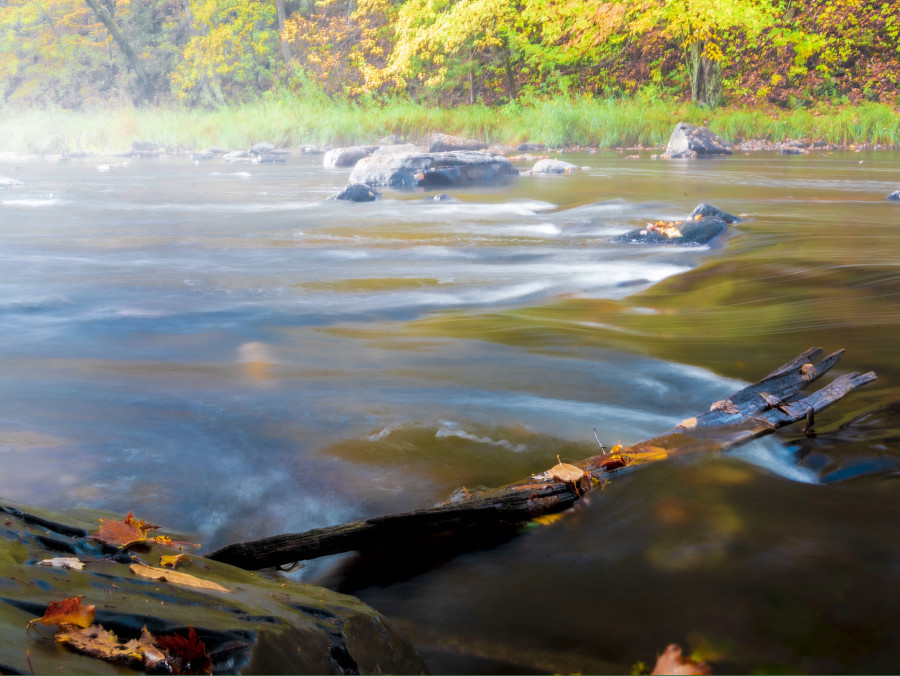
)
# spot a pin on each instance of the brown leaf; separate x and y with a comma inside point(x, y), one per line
point(186, 655)
point(68, 611)
point(672, 662)
point(565, 472)
point(98, 642)
point(119, 533)
point(174, 577)
point(726, 406)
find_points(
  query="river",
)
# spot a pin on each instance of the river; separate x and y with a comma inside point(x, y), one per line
point(222, 350)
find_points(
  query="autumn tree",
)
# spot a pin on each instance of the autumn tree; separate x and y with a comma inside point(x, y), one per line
point(701, 28)
point(231, 52)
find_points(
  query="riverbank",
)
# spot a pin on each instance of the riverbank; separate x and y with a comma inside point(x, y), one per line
point(558, 123)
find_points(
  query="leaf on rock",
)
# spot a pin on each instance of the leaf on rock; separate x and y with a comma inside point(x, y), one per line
point(119, 533)
point(68, 611)
point(140, 524)
point(68, 562)
point(98, 642)
point(172, 561)
point(186, 655)
point(164, 575)
point(673, 662)
point(549, 519)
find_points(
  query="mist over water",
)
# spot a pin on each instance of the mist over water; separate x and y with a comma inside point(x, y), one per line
point(223, 350)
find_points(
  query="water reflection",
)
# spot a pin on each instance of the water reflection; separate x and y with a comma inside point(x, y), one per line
point(228, 352)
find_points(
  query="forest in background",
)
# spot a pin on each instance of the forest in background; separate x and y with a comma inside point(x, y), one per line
point(88, 54)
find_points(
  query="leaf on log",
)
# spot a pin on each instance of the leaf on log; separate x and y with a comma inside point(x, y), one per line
point(67, 562)
point(565, 472)
point(673, 662)
point(186, 655)
point(96, 641)
point(120, 533)
point(68, 611)
point(726, 406)
point(174, 577)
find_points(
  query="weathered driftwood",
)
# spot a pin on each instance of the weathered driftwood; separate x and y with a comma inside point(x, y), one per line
point(755, 411)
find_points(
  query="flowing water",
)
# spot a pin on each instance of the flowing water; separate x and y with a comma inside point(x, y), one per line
point(222, 350)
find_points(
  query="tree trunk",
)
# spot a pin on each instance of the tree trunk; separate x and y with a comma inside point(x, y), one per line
point(755, 411)
point(705, 75)
point(145, 86)
point(285, 45)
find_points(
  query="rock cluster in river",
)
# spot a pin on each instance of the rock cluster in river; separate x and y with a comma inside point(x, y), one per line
point(688, 140)
point(895, 196)
point(704, 224)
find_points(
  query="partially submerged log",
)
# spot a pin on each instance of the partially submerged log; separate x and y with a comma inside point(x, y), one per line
point(755, 411)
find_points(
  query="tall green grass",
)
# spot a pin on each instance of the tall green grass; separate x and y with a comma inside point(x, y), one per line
point(289, 120)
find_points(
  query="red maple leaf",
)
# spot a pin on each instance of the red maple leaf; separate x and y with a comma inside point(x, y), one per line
point(186, 655)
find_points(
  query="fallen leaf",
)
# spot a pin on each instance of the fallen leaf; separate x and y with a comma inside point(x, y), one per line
point(726, 406)
point(174, 577)
point(565, 472)
point(688, 424)
point(646, 453)
point(808, 372)
point(548, 519)
point(68, 562)
point(141, 525)
point(172, 561)
point(119, 533)
point(98, 642)
point(186, 655)
point(672, 662)
point(68, 611)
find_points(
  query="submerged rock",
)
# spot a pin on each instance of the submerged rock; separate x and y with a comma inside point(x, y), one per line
point(705, 210)
point(532, 147)
point(895, 196)
point(440, 143)
point(549, 166)
point(356, 192)
point(699, 231)
point(416, 169)
point(346, 157)
point(260, 624)
point(688, 140)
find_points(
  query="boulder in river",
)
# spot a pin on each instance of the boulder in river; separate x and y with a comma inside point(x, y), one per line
point(418, 169)
point(550, 166)
point(356, 192)
point(263, 148)
point(705, 210)
point(248, 623)
point(440, 143)
point(698, 231)
point(894, 196)
point(346, 157)
point(688, 140)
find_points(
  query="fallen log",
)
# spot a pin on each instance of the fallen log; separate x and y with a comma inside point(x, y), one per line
point(755, 411)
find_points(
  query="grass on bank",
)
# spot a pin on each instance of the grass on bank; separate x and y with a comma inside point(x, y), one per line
point(290, 121)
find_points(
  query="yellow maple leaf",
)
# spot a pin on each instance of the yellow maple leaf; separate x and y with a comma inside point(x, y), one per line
point(68, 611)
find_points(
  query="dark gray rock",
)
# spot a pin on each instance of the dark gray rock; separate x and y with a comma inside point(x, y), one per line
point(346, 157)
point(356, 192)
point(411, 170)
point(442, 197)
point(531, 147)
point(311, 150)
point(201, 157)
point(549, 166)
point(692, 232)
point(440, 143)
point(144, 147)
point(688, 140)
point(268, 158)
point(253, 628)
point(262, 149)
point(894, 196)
point(704, 210)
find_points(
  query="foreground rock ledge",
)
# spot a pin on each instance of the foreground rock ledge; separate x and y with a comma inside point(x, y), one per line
point(421, 169)
point(264, 624)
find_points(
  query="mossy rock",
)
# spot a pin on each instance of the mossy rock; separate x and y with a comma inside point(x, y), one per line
point(262, 624)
